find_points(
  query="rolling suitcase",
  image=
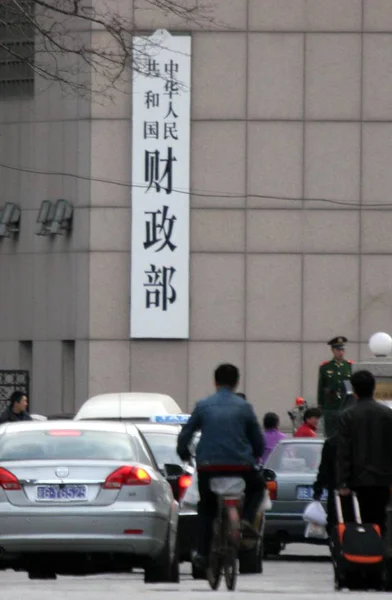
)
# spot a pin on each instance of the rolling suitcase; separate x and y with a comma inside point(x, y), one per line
point(357, 550)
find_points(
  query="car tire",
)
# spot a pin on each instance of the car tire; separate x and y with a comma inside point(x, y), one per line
point(251, 551)
point(198, 573)
point(166, 567)
point(251, 561)
point(41, 575)
point(272, 549)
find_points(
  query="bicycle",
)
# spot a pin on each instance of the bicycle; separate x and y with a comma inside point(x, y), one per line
point(226, 531)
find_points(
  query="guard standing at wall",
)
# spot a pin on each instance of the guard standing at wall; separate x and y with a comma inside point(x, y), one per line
point(333, 377)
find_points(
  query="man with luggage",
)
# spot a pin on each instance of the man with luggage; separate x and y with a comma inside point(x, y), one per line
point(364, 451)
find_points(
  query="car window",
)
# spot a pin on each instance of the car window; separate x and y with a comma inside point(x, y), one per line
point(295, 458)
point(114, 419)
point(68, 445)
point(164, 447)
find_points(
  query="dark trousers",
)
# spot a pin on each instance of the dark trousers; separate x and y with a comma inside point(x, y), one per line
point(331, 421)
point(372, 501)
point(207, 506)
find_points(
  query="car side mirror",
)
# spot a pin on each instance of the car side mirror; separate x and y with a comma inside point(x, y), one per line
point(269, 475)
point(172, 470)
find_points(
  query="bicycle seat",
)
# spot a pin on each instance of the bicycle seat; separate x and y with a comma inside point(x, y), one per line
point(227, 486)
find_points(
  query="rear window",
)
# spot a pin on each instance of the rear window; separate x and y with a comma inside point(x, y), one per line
point(163, 446)
point(116, 419)
point(67, 445)
point(295, 458)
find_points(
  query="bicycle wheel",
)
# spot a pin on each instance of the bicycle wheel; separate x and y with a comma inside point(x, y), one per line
point(230, 568)
point(215, 562)
point(232, 529)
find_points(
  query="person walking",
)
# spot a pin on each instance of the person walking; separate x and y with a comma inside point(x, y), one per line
point(332, 378)
point(17, 409)
point(272, 435)
point(364, 451)
point(326, 482)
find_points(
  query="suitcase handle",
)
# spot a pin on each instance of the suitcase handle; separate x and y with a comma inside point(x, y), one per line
point(339, 511)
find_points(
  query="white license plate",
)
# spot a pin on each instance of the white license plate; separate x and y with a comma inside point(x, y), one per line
point(56, 493)
point(305, 492)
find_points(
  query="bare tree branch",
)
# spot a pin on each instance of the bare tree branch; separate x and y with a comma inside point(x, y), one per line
point(84, 45)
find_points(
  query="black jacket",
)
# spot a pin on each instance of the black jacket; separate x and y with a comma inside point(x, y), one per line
point(364, 445)
point(8, 416)
point(326, 479)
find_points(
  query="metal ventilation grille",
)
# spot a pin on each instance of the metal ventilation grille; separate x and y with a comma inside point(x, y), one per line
point(16, 48)
point(12, 381)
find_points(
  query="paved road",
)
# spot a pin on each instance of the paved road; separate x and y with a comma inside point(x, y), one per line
point(300, 574)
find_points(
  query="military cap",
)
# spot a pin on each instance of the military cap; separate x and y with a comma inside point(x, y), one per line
point(338, 342)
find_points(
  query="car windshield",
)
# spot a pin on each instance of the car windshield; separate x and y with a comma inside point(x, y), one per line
point(67, 445)
point(163, 446)
point(295, 458)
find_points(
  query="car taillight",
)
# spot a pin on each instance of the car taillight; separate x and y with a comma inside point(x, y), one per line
point(126, 476)
point(8, 481)
point(184, 481)
point(272, 487)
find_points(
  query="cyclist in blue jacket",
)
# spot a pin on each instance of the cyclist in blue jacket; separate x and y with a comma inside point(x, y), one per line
point(231, 444)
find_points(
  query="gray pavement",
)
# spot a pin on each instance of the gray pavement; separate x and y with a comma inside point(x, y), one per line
point(301, 573)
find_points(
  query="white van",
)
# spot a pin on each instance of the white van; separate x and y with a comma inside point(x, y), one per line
point(129, 406)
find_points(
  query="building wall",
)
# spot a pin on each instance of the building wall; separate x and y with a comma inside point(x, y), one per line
point(44, 282)
point(291, 106)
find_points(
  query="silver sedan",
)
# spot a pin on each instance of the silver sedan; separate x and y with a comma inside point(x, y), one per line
point(295, 462)
point(75, 493)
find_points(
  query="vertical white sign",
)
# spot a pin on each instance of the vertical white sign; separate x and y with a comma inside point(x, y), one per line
point(160, 187)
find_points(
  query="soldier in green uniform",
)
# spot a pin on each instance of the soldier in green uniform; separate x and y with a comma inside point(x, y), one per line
point(331, 389)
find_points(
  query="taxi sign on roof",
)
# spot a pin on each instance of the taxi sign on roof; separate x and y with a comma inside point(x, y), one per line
point(170, 419)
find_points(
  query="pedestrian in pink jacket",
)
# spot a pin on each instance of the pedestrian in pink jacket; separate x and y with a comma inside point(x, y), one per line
point(272, 435)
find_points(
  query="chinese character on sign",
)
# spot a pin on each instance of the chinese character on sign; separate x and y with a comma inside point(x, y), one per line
point(171, 88)
point(171, 85)
point(171, 131)
point(151, 130)
point(159, 229)
point(171, 68)
point(171, 111)
point(159, 290)
point(160, 202)
point(152, 67)
point(153, 175)
point(151, 100)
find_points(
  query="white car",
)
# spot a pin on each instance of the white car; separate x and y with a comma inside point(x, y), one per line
point(132, 406)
